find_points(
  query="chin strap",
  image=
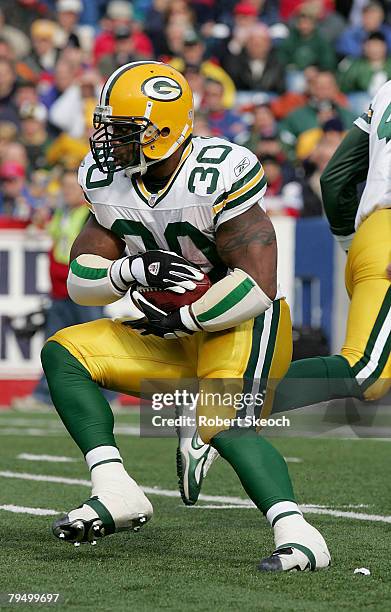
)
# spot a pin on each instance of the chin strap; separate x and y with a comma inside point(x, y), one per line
point(141, 168)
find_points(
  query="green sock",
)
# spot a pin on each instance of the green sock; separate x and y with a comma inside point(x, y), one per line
point(77, 398)
point(309, 381)
point(261, 468)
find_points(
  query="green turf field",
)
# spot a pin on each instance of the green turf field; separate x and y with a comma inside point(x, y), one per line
point(200, 558)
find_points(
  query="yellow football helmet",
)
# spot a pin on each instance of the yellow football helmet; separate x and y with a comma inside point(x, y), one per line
point(145, 113)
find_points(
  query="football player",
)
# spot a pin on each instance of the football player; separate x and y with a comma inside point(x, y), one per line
point(363, 228)
point(179, 204)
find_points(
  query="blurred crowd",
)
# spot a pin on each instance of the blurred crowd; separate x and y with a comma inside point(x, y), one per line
point(285, 79)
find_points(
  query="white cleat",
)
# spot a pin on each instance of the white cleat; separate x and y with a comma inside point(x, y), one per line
point(299, 547)
point(117, 508)
point(193, 461)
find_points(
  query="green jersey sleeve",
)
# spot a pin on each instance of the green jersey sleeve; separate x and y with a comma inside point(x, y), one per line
point(346, 169)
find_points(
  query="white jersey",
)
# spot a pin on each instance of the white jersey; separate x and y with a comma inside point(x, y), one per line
point(214, 182)
point(377, 123)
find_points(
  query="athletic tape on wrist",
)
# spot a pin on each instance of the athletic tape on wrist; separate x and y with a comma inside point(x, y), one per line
point(234, 299)
point(89, 283)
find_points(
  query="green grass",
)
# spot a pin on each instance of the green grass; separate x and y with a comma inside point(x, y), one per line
point(192, 558)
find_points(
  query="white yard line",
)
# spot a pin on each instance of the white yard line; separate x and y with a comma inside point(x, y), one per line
point(217, 501)
point(48, 458)
point(23, 422)
point(293, 460)
point(353, 515)
point(26, 510)
point(43, 478)
point(32, 431)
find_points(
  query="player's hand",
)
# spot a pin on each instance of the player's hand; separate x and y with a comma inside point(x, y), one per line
point(162, 270)
point(158, 322)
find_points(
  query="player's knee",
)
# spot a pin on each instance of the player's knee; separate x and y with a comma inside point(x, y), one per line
point(57, 361)
point(51, 358)
point(46, 355)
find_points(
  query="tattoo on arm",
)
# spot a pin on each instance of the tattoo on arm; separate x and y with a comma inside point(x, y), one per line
point(244, 234)
point(248, 242)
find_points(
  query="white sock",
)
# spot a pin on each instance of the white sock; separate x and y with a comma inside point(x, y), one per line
point(281, 510)
point(102, 454)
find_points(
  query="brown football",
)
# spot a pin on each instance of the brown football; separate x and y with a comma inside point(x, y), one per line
point(169, 301)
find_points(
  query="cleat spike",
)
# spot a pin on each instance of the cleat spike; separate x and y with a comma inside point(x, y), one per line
point(87, 529)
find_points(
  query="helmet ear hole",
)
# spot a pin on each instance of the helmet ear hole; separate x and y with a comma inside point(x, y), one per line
point(165, 132)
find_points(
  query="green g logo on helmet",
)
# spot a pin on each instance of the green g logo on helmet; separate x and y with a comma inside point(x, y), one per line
point(161, 88)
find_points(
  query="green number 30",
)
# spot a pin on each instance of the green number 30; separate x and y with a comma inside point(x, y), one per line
point(208, 174)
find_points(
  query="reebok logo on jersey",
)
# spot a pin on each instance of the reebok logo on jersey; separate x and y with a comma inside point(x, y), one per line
point(154, 268)
point(241, 166)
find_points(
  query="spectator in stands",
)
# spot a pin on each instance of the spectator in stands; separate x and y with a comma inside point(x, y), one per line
point(370, 72)
point(44, 54)
point(119, 13)
point(331, 23)
point(305, 46)
point(64, 226)
point(8, 133)
point(73, 109)
point(15, 152)
point(257, 66)
point(26, 93)
point(6, 50)
point(196, 80)
point(22, 13)
point(123, 53)
point(263, 126)
point(17, 39)
point(222, 121)
point(171, 42)
point(34, 135)
point(8, 111)
point(329, 130)
point(64, 76)
point(332, 134)
point(193, 56)
point(321, 101)
point(180, 11)
point(245, 16)
point(155, 21)
point(283, 196)
point(350, 43)
point(16, 200)
point(67, 152)
point(68, 14)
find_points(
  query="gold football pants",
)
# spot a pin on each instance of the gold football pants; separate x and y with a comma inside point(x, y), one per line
point(118, 358)
point(367, 345)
